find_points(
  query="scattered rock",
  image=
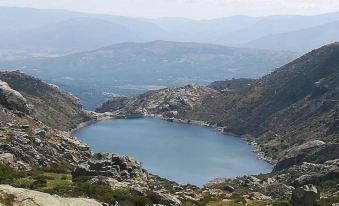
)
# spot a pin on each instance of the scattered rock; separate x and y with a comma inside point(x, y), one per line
point(6, 158)
point(113, 183)
point(178, 188)
point(39, 132)
point(114, 166)
point(314, 151)
point(229, 188)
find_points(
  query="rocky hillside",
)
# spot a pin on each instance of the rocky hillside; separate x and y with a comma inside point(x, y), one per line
point(34, 155)
point(292, 115)
point(44, 101)
point(297, 103)
point(169, 102)
point(294, 104)
point(27, 142)
point(232, 85)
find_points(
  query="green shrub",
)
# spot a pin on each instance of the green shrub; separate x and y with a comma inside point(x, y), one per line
point(280, 203)
point(53, 181)
point(328, 201)
point(57, 168)
point(141, 201)
point(237, 197)
point(7, 199)
point(63, 190)
point(40, 181)
point(8, 175)
point(23, 183)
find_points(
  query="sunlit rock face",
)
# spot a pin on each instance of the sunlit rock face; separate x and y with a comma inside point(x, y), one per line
point(12, 99)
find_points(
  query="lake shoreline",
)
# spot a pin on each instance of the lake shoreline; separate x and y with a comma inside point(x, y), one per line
point(96, 117)
point(249, 140)
point(125, 143)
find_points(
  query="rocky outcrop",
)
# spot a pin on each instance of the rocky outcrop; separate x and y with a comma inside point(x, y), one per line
point(296, 154)
point(12, 99)
point(314, 173)
point(122, 172)
point(27, 197)
point(24, 149)
point(10, 160)
point(114, 104)
point(169, 103)
point(26, 142)
point(314, 151)
point(121, 168)
point(307, 195)
point(283, 184)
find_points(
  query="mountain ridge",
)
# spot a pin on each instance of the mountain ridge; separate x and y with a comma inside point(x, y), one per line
point(303, 40)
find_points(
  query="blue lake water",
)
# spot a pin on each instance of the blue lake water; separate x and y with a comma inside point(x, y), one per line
point(181, 152)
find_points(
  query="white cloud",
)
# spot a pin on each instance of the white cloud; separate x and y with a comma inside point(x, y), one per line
point(185, 8)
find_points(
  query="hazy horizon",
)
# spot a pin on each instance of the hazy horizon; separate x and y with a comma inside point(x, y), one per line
point(191, 9)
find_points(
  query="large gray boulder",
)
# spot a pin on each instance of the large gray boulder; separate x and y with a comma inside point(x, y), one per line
point(27, 197)
point(12, 99)
point(307, 195)
point(109, 165)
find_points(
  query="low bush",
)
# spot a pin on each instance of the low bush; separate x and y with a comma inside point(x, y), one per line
point(6, 199)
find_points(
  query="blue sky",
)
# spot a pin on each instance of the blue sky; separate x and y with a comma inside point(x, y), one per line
point(197, 9)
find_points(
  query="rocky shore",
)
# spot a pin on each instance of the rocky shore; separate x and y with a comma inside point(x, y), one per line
point(95, 117)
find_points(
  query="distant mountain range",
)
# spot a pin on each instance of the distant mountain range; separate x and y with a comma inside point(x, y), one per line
point(132, 68)
point(300, 40)
point(46, 32)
